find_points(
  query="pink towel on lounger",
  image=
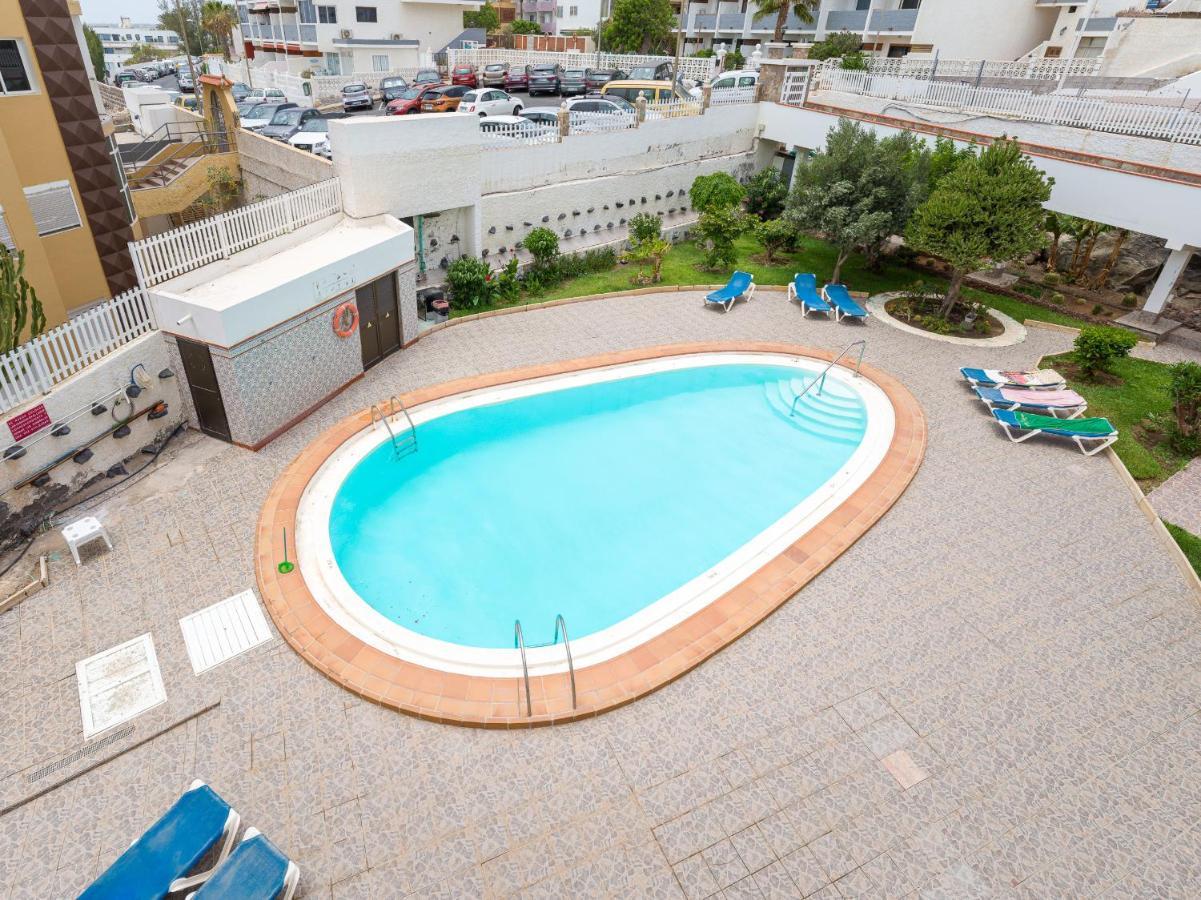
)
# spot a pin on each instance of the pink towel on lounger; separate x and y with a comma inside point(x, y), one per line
point(1042, 398)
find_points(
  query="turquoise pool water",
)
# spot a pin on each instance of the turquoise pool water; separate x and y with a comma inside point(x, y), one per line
point(591, 501)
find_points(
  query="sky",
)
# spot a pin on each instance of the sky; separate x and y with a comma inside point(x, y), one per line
point(141, 11)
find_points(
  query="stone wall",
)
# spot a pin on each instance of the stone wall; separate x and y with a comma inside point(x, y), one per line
point(273, 167)
point(25, 506)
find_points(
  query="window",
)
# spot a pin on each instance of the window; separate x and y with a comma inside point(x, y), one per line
point(379, 62)
point(559, 11)
point(14, 68)
point(53, 207)
point(328, 15)
point(1091, 47)
point(6, 236)
point(365, 14)
point(573, 10)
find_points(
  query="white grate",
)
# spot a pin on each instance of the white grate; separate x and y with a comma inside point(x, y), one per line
point(220, 632)
point(118, 684)
point(53, 207)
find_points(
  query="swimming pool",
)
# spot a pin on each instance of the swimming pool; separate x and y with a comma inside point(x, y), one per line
point(624, 498)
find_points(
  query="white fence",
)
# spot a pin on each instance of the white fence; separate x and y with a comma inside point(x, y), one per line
point(1172, 123)
point(293, 86)
point(165, 256)
point(930, 67)
point(726, 96)
point(695, 68)
point(328, 88)
point(504, 136)
point(37, 366)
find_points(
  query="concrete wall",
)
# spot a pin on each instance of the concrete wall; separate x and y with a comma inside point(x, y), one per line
point(1154, 46)
point(998, 29)
point(273, 167)
point(78, 393)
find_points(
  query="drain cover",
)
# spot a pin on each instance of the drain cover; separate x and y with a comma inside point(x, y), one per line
point(222, 631)
point(118, 684)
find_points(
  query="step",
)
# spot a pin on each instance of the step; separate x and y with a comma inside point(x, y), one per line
point(810, 425)
point(816, 408)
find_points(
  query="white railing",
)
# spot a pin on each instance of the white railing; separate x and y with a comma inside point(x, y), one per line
point(600, 122)
point(165, 256)
point(1172, 123)
point(796, 87)
point(929, 67)
point(37, 366)
point(727, 96)
point(328, 88)
point(672, 109)
point(694, 68)
point(505, 136)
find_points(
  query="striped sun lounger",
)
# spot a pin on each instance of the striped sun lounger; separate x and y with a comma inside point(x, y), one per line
point(1061, 404)
point(1021, 426)
point(1038, 379)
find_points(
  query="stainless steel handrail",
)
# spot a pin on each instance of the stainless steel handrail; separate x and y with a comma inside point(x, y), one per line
point(560, 622)
point(519, 642)
point(820, 380)
point(376, 411)
point(395, 403)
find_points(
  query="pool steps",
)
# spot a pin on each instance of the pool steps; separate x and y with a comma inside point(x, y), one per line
point(832, 414)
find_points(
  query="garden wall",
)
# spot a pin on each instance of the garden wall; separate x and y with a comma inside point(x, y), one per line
point(273, 167)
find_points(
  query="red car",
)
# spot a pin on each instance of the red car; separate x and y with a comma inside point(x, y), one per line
point(409, 103)
point(517, 79)
point(464, 75)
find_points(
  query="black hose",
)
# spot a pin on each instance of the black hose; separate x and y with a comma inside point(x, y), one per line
point(59, 511)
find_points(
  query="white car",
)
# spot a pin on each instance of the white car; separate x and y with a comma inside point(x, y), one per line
point(596, 114)
point(743, 78)
point(262, 114)
point(489, 102)
point(263, 95)
point(314, 136)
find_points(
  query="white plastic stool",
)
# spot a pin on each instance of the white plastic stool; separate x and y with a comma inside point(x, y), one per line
point(81, 532)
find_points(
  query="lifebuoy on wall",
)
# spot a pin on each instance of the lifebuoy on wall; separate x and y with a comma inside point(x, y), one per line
point(346, 319)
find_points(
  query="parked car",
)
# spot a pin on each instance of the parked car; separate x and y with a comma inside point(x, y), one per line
point(260, 115)
point(660, 72)
point(287, 122)
point(185, 82)
point(356, 95)
point(544, 79)
point(494, 74)
point(654, 91)
point(390, 88)
point(146, 74)
point(514, 127)
point(124, 77)
point(314, 135)
point(245, 106)
point(464, 75)
point(266, 95)
point(489, 102)
point(444, 99)
point(598, 78)
point(573, 82)
point(427, 76)
point(585, 113)
point(541, 116)
point(409, 103)
point(727, 80)
point(240, 91)
point(518, 79)
point(191, 104)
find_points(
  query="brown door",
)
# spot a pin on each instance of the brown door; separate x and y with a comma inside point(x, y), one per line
point(379, 319)
point(206, 392)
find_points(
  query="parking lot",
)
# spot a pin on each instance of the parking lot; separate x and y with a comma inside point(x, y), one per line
point(552, 100)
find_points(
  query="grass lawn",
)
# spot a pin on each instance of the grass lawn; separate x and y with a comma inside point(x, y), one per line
point(683, 265)
point(1189, 543)
point(1143, 391)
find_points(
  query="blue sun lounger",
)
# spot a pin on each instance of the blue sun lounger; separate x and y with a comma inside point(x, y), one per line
point(1035, 380)
point(740, 286)
point(256, 870)
point(159, 861)
point(842, 302)
point(1020, 426)
point(803, 290)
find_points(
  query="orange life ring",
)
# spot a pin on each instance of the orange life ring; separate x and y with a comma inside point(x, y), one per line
point(346, 319)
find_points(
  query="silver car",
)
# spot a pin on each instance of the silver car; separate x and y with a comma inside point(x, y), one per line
point(356, 96)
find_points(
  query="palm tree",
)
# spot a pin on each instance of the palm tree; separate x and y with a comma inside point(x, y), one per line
point(218, 19)
point(804, 10)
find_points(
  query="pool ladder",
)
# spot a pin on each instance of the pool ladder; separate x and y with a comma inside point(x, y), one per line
point(820, 380)
point(405, 442)
point(519, 643)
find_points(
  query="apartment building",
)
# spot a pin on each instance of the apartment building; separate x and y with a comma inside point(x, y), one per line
point(120, 39)
point(60, 201)
point(340, 37)
point(997, 29)
point(571, 17)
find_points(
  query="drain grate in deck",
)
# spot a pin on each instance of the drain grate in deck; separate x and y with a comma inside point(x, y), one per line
point(82, 753)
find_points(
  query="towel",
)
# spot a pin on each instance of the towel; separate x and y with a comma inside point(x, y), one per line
point(1095, 427)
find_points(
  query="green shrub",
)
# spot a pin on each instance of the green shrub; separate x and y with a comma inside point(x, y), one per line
point(1185, 390)
point(716, 191)
point(508, 284)
point(1098, 309)
point(775, 235)
point(719, 228)
point(1057, 297)
point(854, 61)
point(734, 60)
point(1099, 346)
point(838, 44)
point(1052, 278)
point(645, 227)
point(543, 245)
point(1130, 300)
point(766, 193)
point(707, 53)
point(470, 282)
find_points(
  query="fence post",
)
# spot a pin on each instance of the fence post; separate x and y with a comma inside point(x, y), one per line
point(640, 109)
point(706, 97)
point(564, 118)
point(223, 236)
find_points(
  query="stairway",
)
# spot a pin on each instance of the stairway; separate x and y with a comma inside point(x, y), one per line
point(164, 174)
point(836, 414)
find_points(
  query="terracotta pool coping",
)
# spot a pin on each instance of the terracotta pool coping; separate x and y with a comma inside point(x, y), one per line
point(500, 702)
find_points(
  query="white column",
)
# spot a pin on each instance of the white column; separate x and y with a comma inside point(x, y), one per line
point(475, 231)
point(1166, 282)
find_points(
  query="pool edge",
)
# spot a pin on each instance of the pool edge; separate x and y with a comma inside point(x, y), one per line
point(498, 702)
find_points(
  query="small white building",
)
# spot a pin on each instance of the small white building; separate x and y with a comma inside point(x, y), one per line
point(120, 39)
point(338, 38)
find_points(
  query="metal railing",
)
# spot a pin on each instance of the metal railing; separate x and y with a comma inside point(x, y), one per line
point(519, 643)
point(190, 141)
point(820, 380)
point(401, 444)
point(561, 622)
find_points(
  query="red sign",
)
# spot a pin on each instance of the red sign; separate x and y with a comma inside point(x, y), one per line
point(29, 422)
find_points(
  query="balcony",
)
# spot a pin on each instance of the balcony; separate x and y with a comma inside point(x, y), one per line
point(731, 21)
point(308, 33)
point(894, 20)
point(846, 20)
point(768, 23)
point(1097, 25)
point(705, 22)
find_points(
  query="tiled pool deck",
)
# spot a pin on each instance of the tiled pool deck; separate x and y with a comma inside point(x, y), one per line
point(1011, 640)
